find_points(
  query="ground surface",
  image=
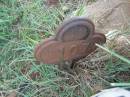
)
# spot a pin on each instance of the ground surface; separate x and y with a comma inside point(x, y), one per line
point(23, 23)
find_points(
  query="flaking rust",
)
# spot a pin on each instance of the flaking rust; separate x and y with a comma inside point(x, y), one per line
point(75, 39)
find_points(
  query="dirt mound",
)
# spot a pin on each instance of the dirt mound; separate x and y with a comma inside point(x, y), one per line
point(110, 14)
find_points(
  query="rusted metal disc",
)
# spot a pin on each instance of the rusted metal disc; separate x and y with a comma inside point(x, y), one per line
point(99, 38)
point(38, 50)
point(54, 52)
point(76, 28)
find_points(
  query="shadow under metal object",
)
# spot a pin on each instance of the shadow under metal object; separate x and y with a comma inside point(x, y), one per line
point(75, 39)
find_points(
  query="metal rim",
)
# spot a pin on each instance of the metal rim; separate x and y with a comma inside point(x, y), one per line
point(70, 23)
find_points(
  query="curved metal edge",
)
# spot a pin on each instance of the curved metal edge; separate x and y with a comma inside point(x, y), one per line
point(99, 38)
point(74, 21)
point(39, 46)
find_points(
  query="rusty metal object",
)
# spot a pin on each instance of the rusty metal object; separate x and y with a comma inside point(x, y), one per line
point(74, 39)
point(52, 2)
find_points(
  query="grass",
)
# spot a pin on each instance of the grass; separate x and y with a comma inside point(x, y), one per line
point(23, 23)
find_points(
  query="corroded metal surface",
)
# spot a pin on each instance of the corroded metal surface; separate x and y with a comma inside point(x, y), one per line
point(52, 2)
point(75, 39)
point(75, 29)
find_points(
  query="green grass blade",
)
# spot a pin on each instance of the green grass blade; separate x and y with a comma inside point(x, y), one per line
point(114, 54)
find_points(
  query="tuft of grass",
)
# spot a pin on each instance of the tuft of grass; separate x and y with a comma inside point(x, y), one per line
point(114, 54)
point(22, 25)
